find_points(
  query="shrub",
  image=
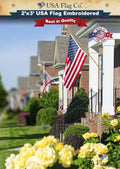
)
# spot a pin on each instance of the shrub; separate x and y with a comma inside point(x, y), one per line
point(74, 140)
point(104, 136)
point(76, 129)
point(50, 99)
point(32, 107)
point(76, 112)
point(48, 115)
point(39, 116)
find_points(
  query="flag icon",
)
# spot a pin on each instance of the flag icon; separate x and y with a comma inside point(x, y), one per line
point(46, 80)
point(74, 61)
point(100, 34)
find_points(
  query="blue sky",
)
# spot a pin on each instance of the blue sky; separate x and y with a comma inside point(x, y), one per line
point(18, 41)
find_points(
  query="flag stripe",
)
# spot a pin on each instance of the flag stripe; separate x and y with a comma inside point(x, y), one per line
point(72, 68)
point(77, 73)
point(76, 69)
point(74, 61)
point(46, 81)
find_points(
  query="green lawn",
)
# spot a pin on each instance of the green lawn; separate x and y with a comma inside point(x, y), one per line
point(3, 155)
point(11, 137)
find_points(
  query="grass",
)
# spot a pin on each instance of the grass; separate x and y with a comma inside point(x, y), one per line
point(12, 137)
point(3, 155)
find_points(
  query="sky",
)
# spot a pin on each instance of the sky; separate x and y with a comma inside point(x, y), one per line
point(18, 41)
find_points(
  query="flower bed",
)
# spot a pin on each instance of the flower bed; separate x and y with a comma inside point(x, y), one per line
point(48, 153)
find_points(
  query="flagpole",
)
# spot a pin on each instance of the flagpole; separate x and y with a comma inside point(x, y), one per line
point(87, 52)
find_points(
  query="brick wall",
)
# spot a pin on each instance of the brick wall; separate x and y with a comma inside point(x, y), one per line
point(94, 122)
point(22, 92)
point(84, 80)
point(84, 83)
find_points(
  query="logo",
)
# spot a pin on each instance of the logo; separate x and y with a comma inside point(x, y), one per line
point(100, 34)
point(41, 4)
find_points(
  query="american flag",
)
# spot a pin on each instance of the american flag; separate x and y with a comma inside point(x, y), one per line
point(74, 61)
point(100, 34)
point(46, 80)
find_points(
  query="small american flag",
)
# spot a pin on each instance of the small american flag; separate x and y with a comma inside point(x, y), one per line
point(100, 34)
point(74, 61)
point(46, 80)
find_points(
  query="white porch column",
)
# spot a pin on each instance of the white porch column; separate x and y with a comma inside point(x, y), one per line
point(93, 79)
point(65, 99)
point(108, 70)
point(60, 90)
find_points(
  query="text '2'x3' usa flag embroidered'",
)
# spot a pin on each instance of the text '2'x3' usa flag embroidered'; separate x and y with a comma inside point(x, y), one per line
point(46, 80)
point(74, 61)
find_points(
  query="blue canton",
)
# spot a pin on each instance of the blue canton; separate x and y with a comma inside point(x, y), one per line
point(72, 49)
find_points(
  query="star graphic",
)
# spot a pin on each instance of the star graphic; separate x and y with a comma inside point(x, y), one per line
point(13, 5)
point(107, 4)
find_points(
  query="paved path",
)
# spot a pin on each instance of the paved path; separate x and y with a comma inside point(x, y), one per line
point(1, 116)
point(12, 149)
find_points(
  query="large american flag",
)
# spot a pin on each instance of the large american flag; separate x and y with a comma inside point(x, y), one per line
point(74, 61)
point(46, 80)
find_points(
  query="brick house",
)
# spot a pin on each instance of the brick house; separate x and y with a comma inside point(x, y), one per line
point(61, 46)
point(107, 55)
point(45, 62)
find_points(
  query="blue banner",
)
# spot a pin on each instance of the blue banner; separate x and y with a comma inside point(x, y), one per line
point(60, 13)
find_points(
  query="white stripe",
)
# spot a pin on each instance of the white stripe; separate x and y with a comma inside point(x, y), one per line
point(73, 70)
point(67, 67)
point(72, 64)
point(77, 70)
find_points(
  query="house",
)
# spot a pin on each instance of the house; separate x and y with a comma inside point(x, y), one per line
point(45, 61)
point(23, 91)
point(13, 99)
point(61, 46)
point(109, 53)
point(34, 77)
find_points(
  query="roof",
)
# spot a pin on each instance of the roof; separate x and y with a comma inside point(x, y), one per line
point(34, 68)
point(61, 47)
point(30, 83)
point(46, 51)
point(23, 82)
point(33, 83)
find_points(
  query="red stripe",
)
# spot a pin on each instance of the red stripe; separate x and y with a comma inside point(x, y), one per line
point(45, 83)
point(75, 70)
point(73, 62)
point(78, 72)
point(67, 69)
point(71, 72)
point(71, 67)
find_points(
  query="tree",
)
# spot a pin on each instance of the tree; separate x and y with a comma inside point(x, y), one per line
point(50, 99)
point(32, 107)
point(77, 107)
point(3, 95)
point(13, 89)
